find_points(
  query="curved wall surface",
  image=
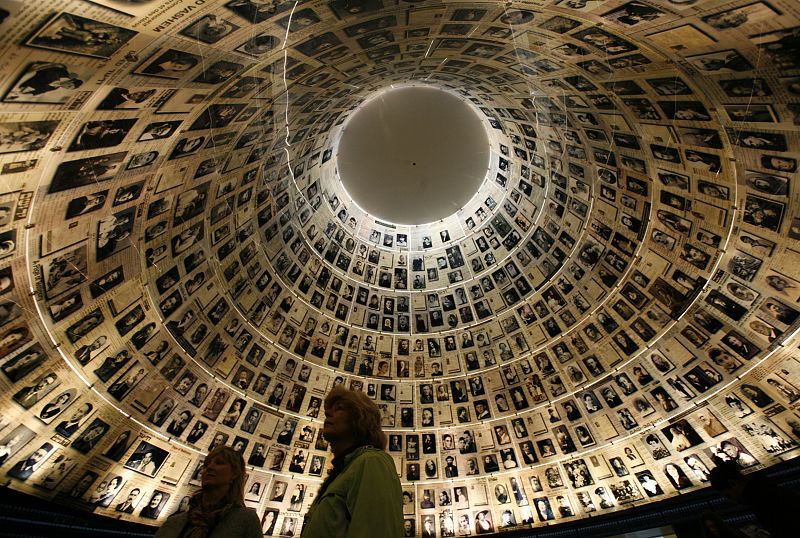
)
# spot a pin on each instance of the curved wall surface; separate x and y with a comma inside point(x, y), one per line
point(180, 265)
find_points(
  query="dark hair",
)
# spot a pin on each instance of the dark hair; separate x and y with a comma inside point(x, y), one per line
point(365, 418)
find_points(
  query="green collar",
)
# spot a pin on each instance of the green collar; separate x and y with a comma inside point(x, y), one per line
point(355, 453)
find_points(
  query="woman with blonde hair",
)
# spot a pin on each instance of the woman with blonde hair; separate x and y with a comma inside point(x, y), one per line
point(362, 493)
point(217, 510)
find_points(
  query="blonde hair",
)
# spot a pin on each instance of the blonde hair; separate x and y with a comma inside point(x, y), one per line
point(235, 494)
point(202, 519)
point(365, 418)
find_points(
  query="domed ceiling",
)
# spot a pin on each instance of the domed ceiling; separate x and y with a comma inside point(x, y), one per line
point(611, 303)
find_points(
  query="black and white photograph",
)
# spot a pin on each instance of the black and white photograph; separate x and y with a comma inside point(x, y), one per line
point(74, 34)
point(763, 213)
point(37, 390)
point(170, 64)
point(25, 136)
point(731, 449)
point(146, 459)
point(101, 134)
point(91, 437)
point(88, 171)
point(209, 29)
point(126, 98)
point(158, 499)
point(113, 233)
point(159, 130)
point(48, 83)
point(633, 13)
point(24, 468)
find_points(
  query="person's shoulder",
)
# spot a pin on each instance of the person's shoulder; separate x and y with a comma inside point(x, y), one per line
point(172, 526)
point(375, 458)
point(240, 521)
point(374, 454)
point(243, 512)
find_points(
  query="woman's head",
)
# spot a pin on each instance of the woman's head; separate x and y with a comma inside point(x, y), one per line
point(364, 416)
point(225, 467)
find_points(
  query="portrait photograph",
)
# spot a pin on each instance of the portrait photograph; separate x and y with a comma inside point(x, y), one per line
point(218, 72)
point(88, 203)
point(755, 13)
point(757, 140)
point(147, 459)
point(91, 436)
point(23, 469)
point(763, 212)
point(25, 361)
point(649, 484)
point(751, 113)
point(10, 310)
point(216, 116)
point(57, 405)
point(259, 45)
point(14, 441)
point(105, 491)
point(65, 306)
point(88, 171)
point(113, 233)
point(158, 500)
point(25, 136)
point(209, 29)
point(47, 83)
point(159, 130)
point(633, 13)
point(101, 134)
point(54, 470)
point(732, 449)
point(73, 34)
point(673, 299)
point(8, 243)
point(726, 305)
point(725, 61)
point(682, 435)
point(187, 146)
point(36, 391)
point(170, 64)
point(127, 193)
point(126, 98)
point(768, 184)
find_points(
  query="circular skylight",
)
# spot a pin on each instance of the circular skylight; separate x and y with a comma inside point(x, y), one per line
point(413, 155)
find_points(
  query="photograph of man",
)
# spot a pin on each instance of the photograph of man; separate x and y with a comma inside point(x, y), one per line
point(154, 505)
point(127, 506)
point(24, 468)
point(46, 82)
point(146, 459)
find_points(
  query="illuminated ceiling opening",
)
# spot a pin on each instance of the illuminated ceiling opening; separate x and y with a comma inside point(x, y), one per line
point(413, 155)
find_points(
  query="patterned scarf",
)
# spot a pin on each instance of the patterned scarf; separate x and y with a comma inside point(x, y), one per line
point(200, 521)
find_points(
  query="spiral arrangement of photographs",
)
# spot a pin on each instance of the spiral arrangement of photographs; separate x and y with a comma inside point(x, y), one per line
point(181, 266)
